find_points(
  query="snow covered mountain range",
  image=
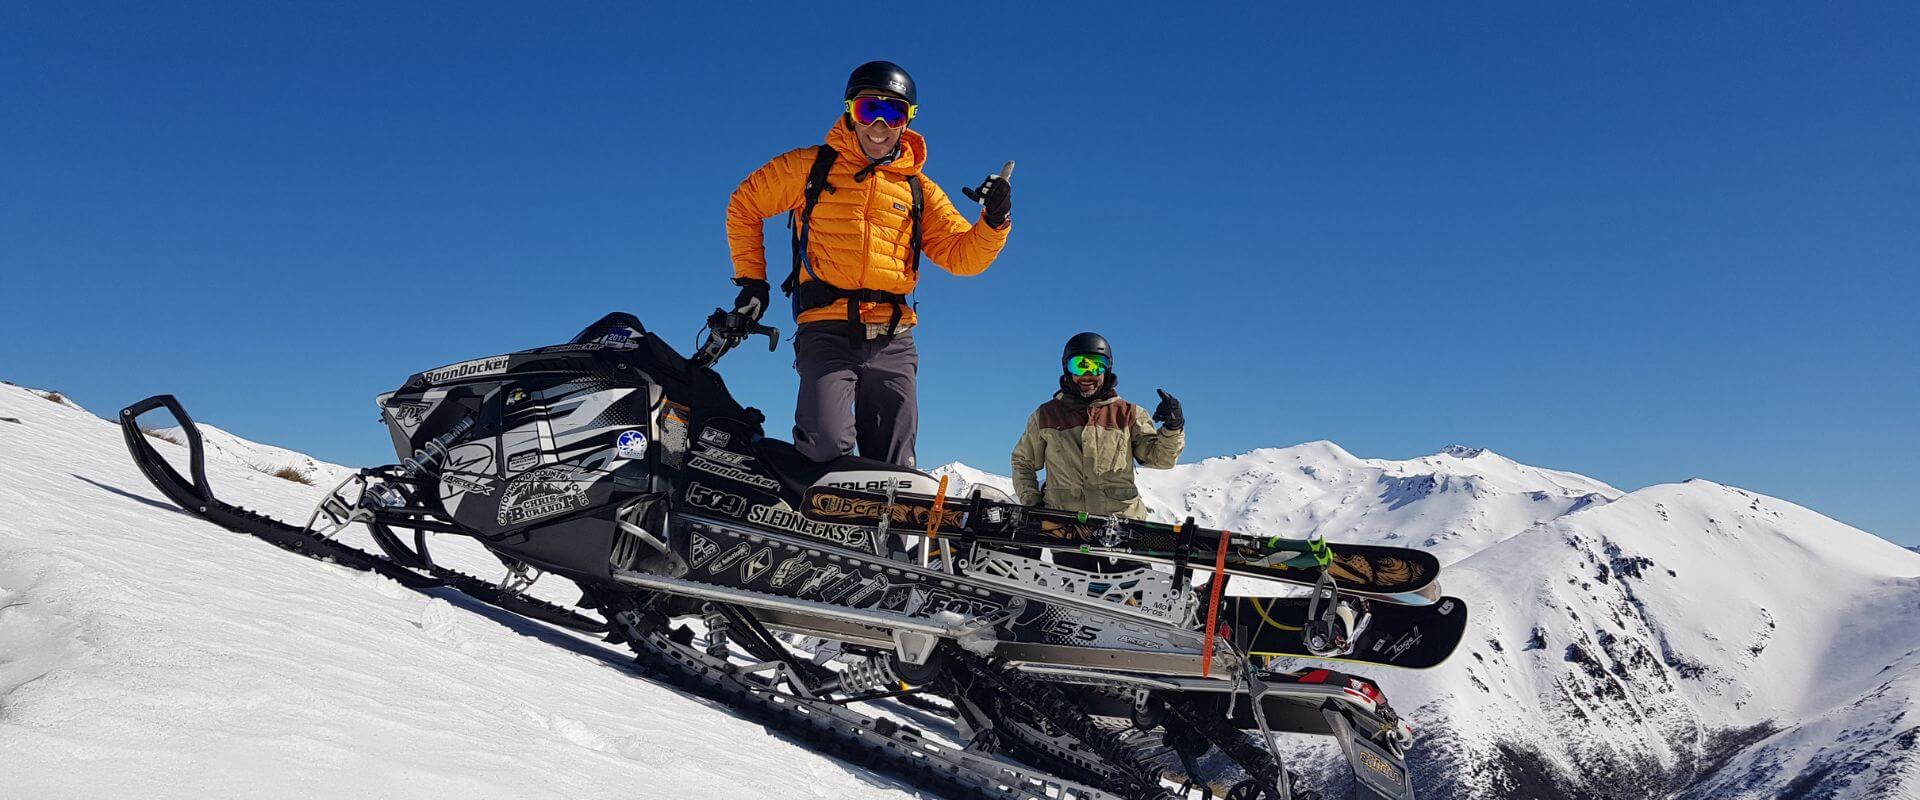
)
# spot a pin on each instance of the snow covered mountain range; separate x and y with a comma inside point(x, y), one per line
point(1686, 640)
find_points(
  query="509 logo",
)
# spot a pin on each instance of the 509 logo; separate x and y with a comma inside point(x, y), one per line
point(732, 505)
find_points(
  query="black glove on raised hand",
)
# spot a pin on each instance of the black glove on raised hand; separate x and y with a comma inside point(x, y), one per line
point(1168, 413)
point(753, 297)
point(997, 197)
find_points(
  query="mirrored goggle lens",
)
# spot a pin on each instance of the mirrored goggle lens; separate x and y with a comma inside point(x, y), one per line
point(1087, 365)
point(885, 109)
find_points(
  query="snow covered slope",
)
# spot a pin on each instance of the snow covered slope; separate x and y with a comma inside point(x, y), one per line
point(1684, 640)
point(276, 461)
point(145, 653)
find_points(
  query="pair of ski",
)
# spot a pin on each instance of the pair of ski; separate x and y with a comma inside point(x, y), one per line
point(1388, 599)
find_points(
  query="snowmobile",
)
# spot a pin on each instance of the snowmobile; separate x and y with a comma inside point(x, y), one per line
point(615, 463)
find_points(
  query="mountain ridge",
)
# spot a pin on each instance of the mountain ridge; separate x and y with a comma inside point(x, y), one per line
point(1672, 641)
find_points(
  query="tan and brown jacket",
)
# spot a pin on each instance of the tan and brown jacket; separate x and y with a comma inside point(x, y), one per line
point(1088, 451)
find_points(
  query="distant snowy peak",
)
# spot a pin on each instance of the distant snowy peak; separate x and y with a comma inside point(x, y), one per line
point(1454, 502)
point(961, 479)
point(1689, 639)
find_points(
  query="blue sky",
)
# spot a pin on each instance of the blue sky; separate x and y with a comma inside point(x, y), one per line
point(1640, 241)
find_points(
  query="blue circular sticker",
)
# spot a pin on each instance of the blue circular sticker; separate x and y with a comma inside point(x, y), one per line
point(631, 444)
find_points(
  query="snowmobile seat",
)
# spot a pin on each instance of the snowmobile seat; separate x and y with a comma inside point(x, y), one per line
point(797, 472)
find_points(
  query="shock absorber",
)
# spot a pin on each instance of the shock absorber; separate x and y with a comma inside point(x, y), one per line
point(428, 457)
point(874, 674)
point(423, 462)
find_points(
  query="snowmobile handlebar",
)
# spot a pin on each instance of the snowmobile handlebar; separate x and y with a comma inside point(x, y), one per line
point(726, 330)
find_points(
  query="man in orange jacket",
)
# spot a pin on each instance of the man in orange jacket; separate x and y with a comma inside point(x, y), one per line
point(861, 214)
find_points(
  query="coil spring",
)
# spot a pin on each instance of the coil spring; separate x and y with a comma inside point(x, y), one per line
point(872, 675)
point(429, 455)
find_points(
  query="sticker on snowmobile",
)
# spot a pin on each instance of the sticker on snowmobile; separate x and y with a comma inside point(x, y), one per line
point(618, 336)
point(408, 415)
point(923, 601)
point(727, 457)
point(757, 564)
point(819, 579)
point(467, 369)
point(702, 549)
point(732, 557)
point(785, 518)
point(463, 484)
point(789, 570)
point(543, 492)
point(471, 457)
point(874, 480)
point(703, 462)
point(715, 500)
point(672, 433)
point(715, 437)
point(466, 472)
point(631, 444)
point(852, 589)
point(521, 462)
point(1377, 770)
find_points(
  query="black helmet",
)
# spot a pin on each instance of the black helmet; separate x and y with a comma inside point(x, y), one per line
point(1082, 344)
point(883, 76)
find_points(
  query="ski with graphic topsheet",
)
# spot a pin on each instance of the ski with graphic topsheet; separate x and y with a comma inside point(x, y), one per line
point(1395, 574)
point(1414, 637)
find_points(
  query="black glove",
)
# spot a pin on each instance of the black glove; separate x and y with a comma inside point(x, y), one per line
point(753, 297)
point(1168, 413)
point(997, 197)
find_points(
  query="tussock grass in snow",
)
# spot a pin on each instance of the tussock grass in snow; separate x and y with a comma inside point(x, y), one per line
point(291, 474)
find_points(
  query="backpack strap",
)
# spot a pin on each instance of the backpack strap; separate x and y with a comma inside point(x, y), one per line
point(913, 244)
point(817, 293)
point(823, 158)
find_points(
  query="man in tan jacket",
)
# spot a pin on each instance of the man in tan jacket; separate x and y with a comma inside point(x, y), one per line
point(1088, 439)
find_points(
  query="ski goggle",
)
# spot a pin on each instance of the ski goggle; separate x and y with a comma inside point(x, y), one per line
point(895, 112)
point(1080, 366)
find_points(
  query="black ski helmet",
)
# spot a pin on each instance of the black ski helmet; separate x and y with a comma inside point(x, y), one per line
point(883, 76)
point(1088, 343)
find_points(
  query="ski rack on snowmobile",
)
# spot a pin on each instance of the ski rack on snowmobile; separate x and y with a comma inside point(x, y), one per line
point(756, 690)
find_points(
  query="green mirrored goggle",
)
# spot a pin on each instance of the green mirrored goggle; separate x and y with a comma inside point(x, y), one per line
point(1087, 365)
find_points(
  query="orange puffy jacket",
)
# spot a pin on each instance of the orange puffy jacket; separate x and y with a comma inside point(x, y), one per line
point(861, 229)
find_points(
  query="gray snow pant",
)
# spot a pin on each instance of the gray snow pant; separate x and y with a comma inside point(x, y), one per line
point(855, 393)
